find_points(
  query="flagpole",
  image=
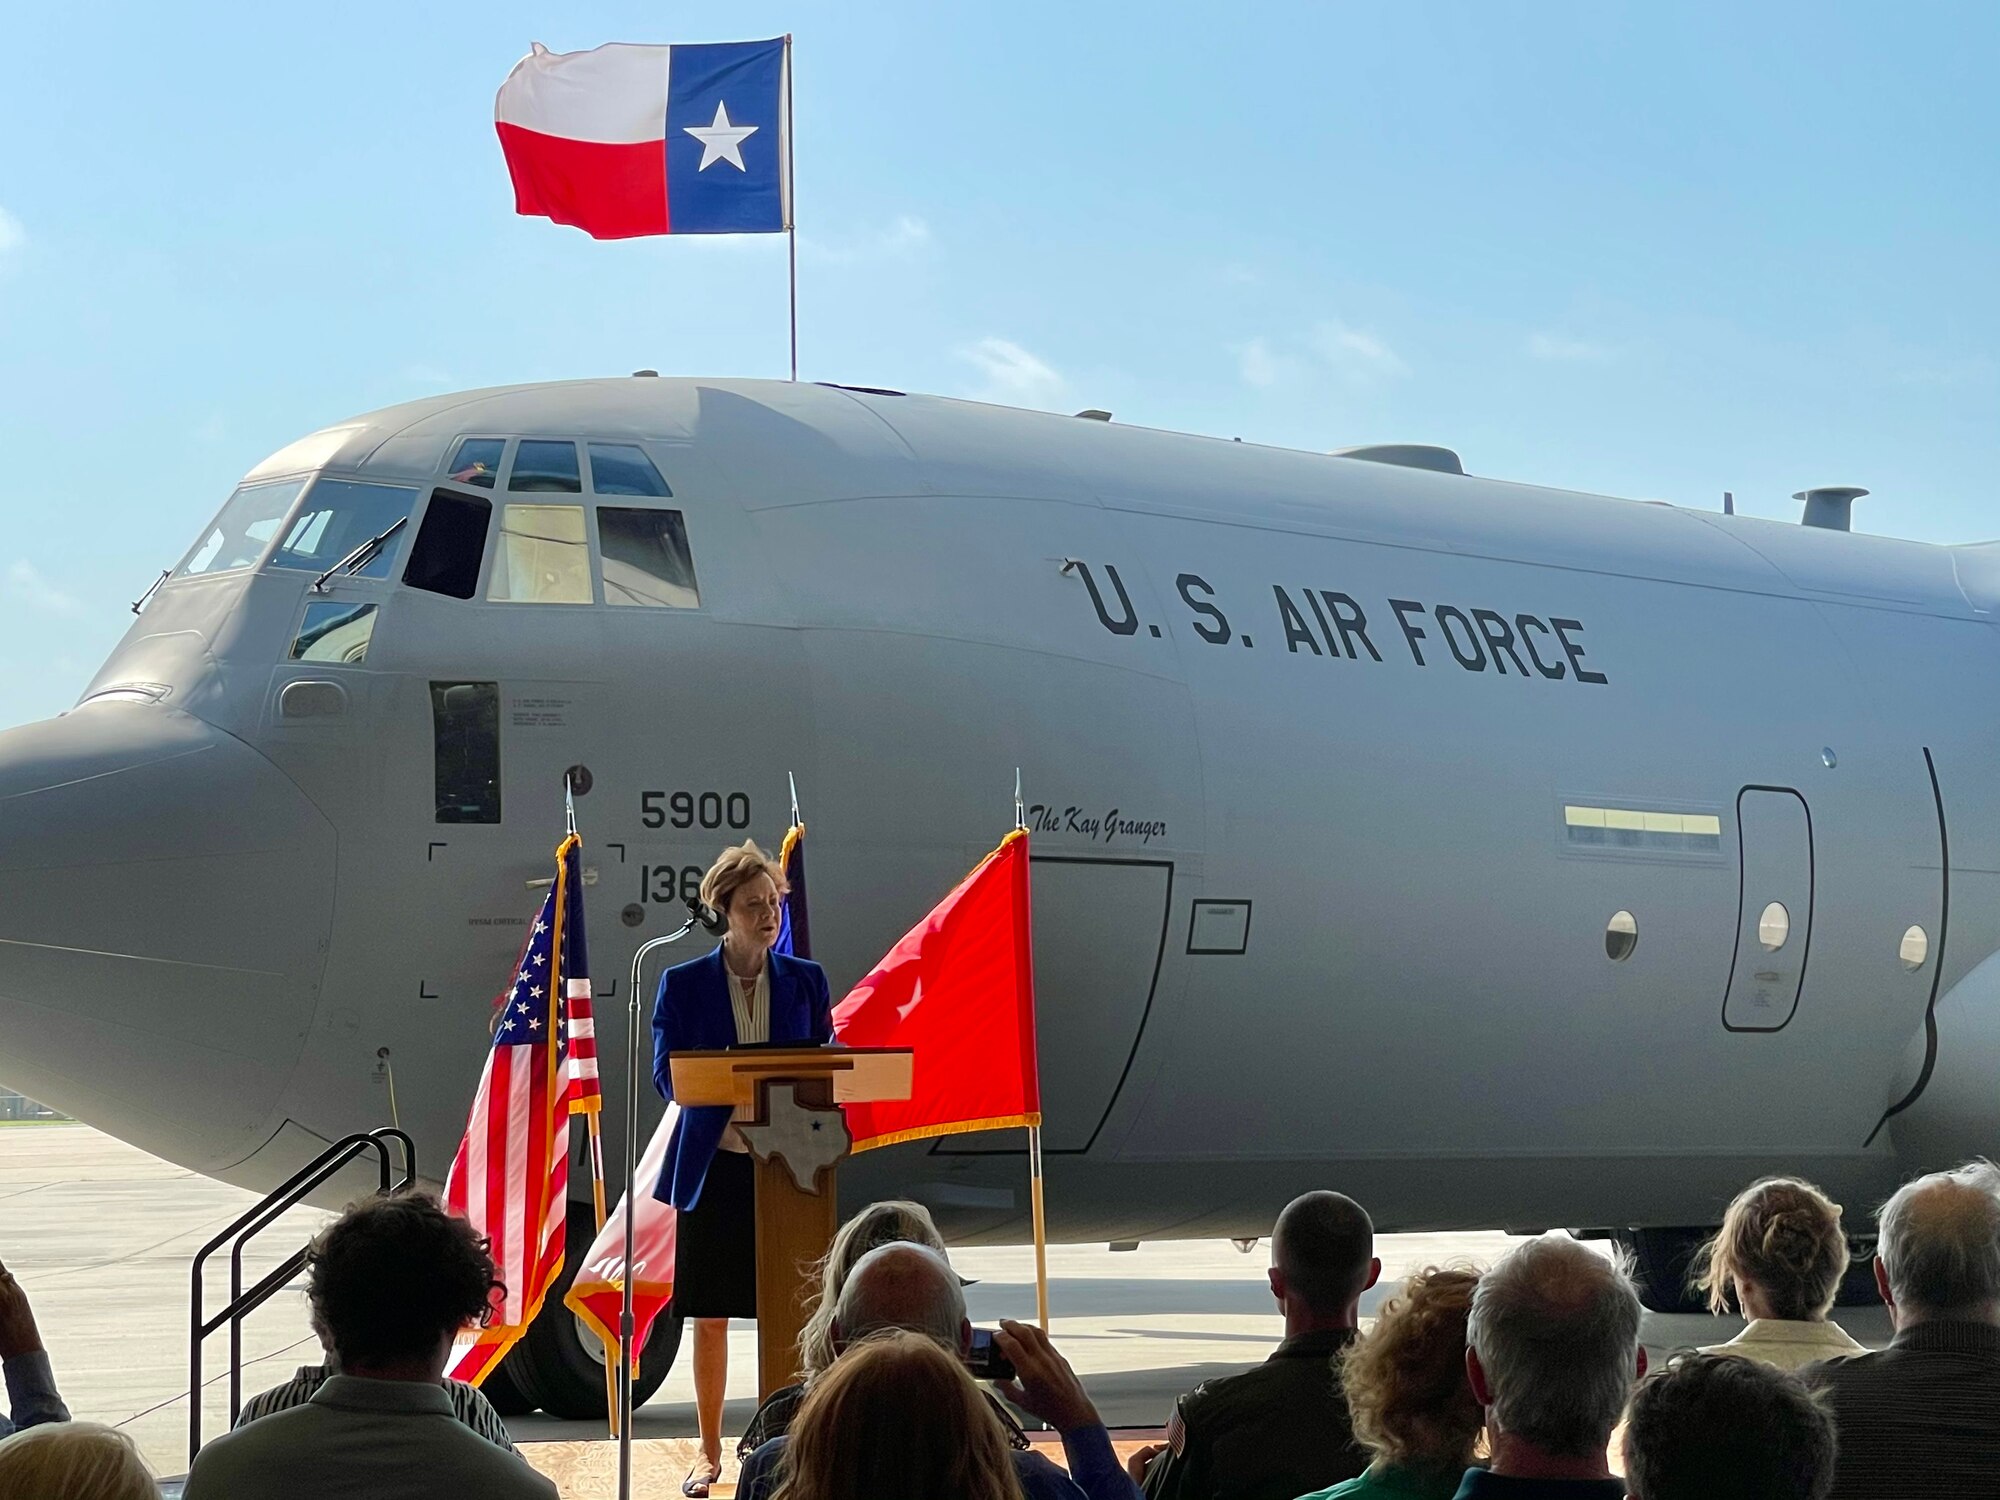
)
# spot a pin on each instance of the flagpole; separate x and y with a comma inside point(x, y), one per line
point(592, 1119)
point(791, 228)
point(1036, 1206)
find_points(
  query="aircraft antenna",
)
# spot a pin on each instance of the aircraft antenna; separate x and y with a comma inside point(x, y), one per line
point(1728, 503)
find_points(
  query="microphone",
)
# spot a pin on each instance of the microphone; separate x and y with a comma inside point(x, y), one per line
point(712, 921)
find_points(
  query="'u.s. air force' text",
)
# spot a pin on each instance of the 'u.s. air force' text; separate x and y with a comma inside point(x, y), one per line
point(1328, 623)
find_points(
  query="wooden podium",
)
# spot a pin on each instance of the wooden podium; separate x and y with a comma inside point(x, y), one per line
point(798, 1138)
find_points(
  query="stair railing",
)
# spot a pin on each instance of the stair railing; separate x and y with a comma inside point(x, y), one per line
point(246, 1227)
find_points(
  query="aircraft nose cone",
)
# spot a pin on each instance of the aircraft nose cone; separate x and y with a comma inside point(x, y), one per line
point(165, 899)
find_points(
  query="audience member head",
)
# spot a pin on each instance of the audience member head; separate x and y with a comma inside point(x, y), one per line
point(1709, 1427)
point(891, 1223)
point(1938, 1256)
point(1781, 1250)
point(74, 1461)
point(393, 1280)
point(896, 1415)
point(1553, 1347)
point(1322, 1260)
point(1405, 1380)
point(906, 1287)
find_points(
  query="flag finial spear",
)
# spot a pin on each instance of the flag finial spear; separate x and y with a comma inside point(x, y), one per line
point(569, 803)
point(1019, 820)
point(794, 780)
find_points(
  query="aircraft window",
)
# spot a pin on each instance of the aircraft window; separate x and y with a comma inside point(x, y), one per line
point(335, 631)
point(544, 558)
point(1621, 936)
point(1774, 925)
point(339, 516)
point(450, 545)
point(1914, 949)
point(465, 719)
point(238, 536)
point(545, 468)
point(646, 558)
point(1629, 828)
point(477, 461)
point(622, 469)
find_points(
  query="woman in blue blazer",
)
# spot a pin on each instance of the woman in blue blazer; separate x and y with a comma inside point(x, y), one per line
point(742, 994)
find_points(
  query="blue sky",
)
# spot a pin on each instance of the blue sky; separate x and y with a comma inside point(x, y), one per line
point(1655, 251)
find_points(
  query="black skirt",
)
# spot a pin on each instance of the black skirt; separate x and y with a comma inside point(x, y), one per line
point(715, 1244)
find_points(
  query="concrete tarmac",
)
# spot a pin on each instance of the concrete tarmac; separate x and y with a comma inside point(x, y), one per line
point(102, 1235)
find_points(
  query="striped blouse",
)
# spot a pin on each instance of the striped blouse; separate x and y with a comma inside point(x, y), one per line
point(471, 1408)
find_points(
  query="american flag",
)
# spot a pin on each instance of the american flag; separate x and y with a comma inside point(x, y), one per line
point(583, 1089)
point(510, 1178)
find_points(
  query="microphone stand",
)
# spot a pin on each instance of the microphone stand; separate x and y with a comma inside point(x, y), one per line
point(633, 1016)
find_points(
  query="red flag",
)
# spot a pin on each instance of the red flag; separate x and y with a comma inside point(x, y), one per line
point(959, 990)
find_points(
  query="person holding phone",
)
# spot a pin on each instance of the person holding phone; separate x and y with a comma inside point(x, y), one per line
point(740, 995)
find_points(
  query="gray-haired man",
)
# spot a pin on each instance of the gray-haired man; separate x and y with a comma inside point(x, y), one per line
point(1552, 1350)
point(1923, 1415)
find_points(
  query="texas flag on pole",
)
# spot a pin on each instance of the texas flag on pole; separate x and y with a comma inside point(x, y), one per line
point(627, 140)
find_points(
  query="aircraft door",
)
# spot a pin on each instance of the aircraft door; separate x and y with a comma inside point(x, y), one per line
point(1775, 909)
point(1098, 933)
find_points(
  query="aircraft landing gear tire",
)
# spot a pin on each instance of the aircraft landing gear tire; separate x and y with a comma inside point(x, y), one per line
point(559, 1365)
point(504, 1391)
point(1661, 1262)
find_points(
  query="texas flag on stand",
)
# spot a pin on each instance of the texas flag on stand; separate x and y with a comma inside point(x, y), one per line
point(628, 140)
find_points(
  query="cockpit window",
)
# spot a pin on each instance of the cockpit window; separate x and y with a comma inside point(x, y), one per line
point(622, 469)
point(335, 631)
point(338, 516)
point(545, 468)
point(238, 536)
point(543, 558)
point(450, 545)
point(477, 462)
point(646, 558)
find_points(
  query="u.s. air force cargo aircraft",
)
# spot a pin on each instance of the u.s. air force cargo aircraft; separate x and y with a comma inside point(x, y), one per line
point(1500, 855)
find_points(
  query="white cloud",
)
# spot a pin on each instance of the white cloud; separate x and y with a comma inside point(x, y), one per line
point(1258, 363)
point(23, 583)
point(1556, 347)
point(12, 235)
point(1949, 373)
point(907, 235)
point(1357, 355)
point(1014, 377)
point(422, 374)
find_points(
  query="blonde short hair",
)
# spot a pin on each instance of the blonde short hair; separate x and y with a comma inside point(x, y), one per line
point(1783, 1236)
point(74, 1461)
point(736, 867)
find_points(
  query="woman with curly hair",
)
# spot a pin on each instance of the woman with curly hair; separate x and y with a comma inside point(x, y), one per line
point(1782, 1253)
point(1406, 1389)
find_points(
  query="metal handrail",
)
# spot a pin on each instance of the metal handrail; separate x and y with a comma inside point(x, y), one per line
point(246, 1227)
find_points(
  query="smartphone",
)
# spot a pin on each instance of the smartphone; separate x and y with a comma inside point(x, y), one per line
point(985, 1360)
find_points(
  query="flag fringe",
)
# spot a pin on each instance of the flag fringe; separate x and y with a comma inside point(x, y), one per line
point(664, 1290)
point(957, 1127)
